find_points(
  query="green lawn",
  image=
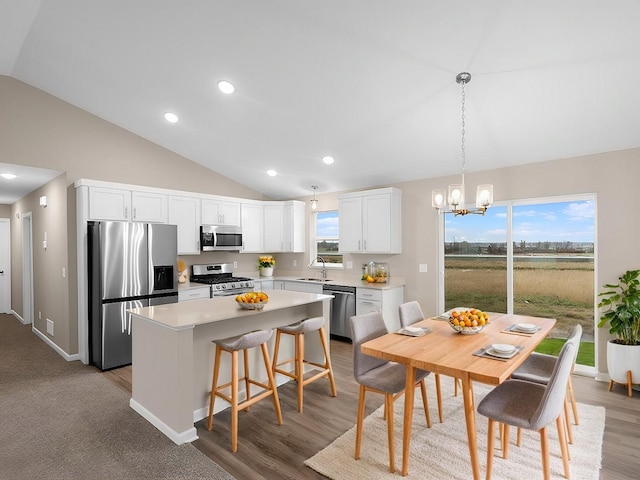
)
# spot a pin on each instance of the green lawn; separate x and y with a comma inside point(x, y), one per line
point(552, 346)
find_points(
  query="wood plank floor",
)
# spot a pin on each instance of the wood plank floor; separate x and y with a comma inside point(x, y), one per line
point(269, 451)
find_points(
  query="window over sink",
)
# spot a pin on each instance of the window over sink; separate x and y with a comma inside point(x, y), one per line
point(325, 240)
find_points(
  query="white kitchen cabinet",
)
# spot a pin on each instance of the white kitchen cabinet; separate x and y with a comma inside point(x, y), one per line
point(371, 221)
point(386, 301)
point(278, 285)
point(194, 293)
point(185, 213)
point(127, 205)
point(284, 226)
point(220, 212)
point(149, 207)
point(262, 285)
point(252, 231)
point(308, 287)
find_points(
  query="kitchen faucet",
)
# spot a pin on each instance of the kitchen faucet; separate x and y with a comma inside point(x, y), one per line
point(324, 266)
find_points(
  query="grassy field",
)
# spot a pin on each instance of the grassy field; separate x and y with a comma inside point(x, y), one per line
point(546, 288)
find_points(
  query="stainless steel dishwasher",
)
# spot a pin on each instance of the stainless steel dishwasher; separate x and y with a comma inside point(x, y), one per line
point(343, 307)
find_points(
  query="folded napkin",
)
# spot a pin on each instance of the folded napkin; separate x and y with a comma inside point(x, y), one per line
point(483, 353)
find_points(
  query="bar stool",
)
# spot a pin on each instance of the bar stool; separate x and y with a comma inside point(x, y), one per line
point(233, 345)
point(298, 331)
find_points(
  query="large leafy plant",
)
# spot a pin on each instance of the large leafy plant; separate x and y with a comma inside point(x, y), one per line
point(623, 313)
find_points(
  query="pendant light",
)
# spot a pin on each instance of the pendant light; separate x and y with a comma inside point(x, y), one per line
point(314, 202)
point(455, 197)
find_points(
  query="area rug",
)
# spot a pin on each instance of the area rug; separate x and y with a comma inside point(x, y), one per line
point(441, 451)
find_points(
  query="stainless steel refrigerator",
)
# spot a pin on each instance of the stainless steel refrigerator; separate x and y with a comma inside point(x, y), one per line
point(131, 265)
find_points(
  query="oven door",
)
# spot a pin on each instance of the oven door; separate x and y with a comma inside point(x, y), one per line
point(229, 293)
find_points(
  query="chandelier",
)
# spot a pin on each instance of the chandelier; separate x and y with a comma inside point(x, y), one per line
point(455, 197)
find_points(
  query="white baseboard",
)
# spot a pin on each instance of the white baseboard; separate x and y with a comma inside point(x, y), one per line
point(56, 348)
point(178, 438)
point(20, 319)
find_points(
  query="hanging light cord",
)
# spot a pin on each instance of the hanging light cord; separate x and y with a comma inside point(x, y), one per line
point(463, 153)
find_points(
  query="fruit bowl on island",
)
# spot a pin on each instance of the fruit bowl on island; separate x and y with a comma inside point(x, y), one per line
point(468, 322)
point(252, 300)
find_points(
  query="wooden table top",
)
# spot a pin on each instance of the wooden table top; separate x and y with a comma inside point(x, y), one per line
point(450, 353)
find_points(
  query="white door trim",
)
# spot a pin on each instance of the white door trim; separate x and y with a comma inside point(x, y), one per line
point(5, 265)
point(27, 268)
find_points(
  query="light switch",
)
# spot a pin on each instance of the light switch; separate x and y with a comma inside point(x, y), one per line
point(422, 268)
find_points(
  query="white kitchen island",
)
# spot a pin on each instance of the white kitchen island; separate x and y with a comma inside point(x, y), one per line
point(173, 355)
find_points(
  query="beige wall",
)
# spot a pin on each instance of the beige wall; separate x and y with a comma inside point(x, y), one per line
point(47, 132)
point(5, 211)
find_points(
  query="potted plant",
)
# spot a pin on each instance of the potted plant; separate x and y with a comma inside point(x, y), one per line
point(265, 265)
point(623, 316)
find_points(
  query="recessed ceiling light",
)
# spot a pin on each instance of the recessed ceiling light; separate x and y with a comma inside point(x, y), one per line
point(226, 87)
point(272, 173)
point(171, 117)
point(328, 160)
point(8, 176)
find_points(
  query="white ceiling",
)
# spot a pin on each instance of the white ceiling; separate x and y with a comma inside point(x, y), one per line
point(27, 180)
point(370, 82)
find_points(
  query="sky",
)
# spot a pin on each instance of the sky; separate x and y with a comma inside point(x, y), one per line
point(327, 224)
point(553, 222)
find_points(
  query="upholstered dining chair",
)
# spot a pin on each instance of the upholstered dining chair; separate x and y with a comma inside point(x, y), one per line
point(531, 406)
point(538, 367)
point(380, 376)
point(410, 313)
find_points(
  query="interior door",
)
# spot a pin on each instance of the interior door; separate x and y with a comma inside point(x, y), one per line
point(5, 265)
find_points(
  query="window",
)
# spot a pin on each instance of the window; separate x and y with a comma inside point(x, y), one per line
point(325, 241)
point(528, 258)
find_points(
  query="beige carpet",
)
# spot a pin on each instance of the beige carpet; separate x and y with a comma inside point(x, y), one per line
point(441, 452)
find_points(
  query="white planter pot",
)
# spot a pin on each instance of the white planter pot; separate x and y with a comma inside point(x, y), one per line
point(266, 272)
point(621, 359)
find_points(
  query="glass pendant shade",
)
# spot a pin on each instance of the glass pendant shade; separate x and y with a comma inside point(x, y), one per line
point(456, 196)
point(484, 196)
point(438, 198)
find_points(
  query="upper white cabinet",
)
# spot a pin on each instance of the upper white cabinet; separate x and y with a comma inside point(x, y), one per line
point(371, 221)
point(252, 231)
point(219, 212)
point(185, 213)
point(284, 226)
point(127, 205)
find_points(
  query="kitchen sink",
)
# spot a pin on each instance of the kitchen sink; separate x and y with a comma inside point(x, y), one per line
point(315, 279)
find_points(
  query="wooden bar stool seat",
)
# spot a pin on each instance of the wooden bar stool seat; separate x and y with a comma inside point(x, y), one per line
point(234, 345)
point(298, 330)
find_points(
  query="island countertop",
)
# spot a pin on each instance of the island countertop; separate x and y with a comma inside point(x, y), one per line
point(183, 315)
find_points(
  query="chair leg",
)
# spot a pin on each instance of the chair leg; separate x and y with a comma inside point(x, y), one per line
point(214, 386)
point(519, 437)
point(272, 383)
point(327, 359)
point(505, 442)
point(439, 397)
point(568, 421)
point(388, 400)
point(574, 406)
point(360, 420)
point(563, 445)
point(490, 447)
point(247, 383)
point(544, 448)
point(299, 339)
point(234, 401)
point(276, 349)
point(425, 402)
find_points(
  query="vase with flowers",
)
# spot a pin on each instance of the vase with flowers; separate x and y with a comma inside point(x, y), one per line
point(265, 265)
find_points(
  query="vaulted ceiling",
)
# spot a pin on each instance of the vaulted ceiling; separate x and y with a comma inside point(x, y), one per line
point(369, 82)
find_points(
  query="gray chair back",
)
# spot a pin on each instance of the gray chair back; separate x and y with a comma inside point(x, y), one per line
point(553, 399)
point(364, 328)
point(410, 313)
point(575, 338)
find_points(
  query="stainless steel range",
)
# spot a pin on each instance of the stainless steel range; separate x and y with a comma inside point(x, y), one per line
point(220, 277)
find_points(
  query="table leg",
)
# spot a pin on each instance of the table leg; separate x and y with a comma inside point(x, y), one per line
point(470, 416)
point(409, 391)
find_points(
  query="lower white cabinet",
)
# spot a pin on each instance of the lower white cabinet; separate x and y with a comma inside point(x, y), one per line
point(262, 285)
point(386, 301)
point(194, 293)
point(303, 287)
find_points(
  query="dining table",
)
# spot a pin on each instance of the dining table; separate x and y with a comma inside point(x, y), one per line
point(442, 350)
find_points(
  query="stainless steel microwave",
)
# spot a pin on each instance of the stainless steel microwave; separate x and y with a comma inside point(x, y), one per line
point(220, 237)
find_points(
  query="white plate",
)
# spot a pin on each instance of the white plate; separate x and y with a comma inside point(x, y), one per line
point(526, 327)
point(504, 348)
point(493, 353)
point(413, 329)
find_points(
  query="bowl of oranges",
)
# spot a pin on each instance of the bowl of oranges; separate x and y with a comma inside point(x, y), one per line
point(468, 322)
point(252, 300)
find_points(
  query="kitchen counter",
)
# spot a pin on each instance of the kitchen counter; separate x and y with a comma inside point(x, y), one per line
point(392, 283)
point(173, 352)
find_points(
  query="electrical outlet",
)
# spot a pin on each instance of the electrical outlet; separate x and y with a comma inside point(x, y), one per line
point(422, 268)
point(349, 264)
point(235, 264)
point(295, 262)
point(50, 327)
point(64, 272)
point(39, 315)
